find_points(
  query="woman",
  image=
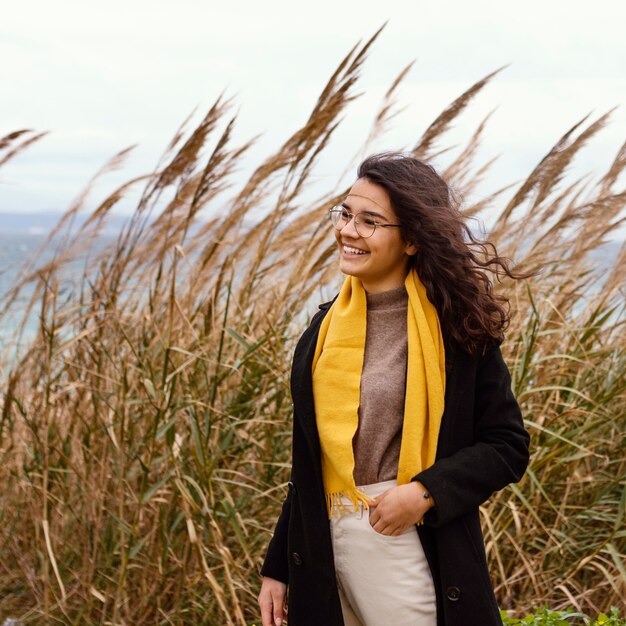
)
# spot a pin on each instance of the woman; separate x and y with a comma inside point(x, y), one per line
point(404, 419)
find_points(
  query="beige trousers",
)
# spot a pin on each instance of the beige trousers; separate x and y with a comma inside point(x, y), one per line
point(382, 579)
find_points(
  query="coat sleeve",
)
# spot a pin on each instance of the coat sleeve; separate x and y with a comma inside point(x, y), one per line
point(276, 563)
point(498, 456)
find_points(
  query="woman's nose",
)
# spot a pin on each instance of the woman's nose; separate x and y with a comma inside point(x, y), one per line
point(350, 229)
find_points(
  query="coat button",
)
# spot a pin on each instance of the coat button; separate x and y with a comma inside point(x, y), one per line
point(296, 559)
point(453, 593)
point(292, 487)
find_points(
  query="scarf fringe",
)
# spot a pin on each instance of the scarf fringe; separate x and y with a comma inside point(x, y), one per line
point(337, 507)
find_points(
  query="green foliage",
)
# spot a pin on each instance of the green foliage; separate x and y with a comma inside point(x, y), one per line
point(546, 617)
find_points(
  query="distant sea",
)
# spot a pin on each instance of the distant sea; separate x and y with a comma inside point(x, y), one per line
point(17, 250)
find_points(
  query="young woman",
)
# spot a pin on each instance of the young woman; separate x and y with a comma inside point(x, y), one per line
point(404, 419)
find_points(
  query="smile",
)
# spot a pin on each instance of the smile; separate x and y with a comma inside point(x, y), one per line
point(351, 250)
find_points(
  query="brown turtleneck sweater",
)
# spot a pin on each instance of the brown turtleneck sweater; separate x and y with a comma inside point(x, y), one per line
point(383, 383)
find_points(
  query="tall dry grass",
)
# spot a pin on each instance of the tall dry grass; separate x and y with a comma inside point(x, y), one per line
point(145, 430)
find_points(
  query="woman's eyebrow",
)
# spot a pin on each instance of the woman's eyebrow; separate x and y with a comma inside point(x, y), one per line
point(347, 206)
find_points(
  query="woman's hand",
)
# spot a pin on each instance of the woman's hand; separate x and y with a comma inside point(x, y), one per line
point(398, 508)
point(272, 602)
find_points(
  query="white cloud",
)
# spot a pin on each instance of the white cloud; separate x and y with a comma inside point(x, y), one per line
point(104, 76)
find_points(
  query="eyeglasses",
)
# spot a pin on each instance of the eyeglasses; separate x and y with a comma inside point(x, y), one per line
point(364, 224)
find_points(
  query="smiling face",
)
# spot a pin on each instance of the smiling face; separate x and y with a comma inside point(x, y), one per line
point(380, 261)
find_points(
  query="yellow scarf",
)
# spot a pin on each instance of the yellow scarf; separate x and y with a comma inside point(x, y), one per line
point(337, 367)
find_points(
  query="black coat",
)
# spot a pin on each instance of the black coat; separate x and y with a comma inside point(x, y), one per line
point(482, 447)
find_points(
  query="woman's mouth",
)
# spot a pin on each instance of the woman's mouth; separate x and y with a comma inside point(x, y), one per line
point(353, 251)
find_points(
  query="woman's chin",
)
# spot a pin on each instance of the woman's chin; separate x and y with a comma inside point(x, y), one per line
point(351, 266)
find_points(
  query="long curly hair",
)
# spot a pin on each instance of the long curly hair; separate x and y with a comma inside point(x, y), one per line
point(453, 264)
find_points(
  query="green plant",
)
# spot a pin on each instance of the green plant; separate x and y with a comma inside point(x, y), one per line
point(546, 617)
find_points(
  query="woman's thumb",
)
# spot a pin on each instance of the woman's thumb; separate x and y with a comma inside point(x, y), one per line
point(379, 498)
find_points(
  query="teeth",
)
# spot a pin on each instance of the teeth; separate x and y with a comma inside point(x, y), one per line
point(349, 250)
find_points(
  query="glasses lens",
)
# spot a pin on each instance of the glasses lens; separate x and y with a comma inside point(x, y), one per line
point(339, 217)
point(365, 226)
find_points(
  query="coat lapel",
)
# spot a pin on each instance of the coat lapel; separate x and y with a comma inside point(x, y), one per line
point(302, 381)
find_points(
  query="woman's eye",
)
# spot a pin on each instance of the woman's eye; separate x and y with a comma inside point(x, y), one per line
point(345, 215)
point(370, 221)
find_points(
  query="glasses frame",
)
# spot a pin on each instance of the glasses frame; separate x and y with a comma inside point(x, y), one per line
point(338, 208)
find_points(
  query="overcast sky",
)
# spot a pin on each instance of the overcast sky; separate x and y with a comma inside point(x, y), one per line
point(103, 76)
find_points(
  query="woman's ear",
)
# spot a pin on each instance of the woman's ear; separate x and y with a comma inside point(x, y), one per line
point(410, 249)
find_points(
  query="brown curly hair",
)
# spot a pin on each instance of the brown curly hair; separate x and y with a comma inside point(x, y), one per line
point(451, 262)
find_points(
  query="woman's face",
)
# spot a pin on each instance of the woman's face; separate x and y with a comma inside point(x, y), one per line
point(380, 261)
